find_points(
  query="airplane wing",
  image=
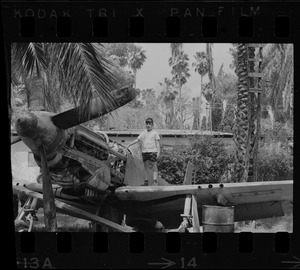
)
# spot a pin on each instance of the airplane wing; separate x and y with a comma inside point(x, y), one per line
point(251, 200)
point(68, 207)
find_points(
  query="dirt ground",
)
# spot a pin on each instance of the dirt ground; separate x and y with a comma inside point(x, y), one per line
point(269, 225)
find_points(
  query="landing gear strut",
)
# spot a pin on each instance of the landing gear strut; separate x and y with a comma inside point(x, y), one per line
point(26, 216)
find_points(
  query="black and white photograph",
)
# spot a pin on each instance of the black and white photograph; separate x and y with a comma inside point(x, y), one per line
point(152, 137)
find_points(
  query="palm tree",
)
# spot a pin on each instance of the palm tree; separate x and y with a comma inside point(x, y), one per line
point(176, 57)
point(211, 75)
point(119, 51)
point(176, 48)
point(180, 72)
point(278, 66)
point(241, 125)
point(75, 70)
point(168, 96)
point(136, 58)
point(244, 134)
point(201, 67)
point(196, 113)
point(210, 66)
point(278, 83)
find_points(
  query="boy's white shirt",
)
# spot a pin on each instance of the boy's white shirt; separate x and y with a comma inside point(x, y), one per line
point(148, 141)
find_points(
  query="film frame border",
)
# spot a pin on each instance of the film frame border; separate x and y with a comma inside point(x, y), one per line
point(190, 249)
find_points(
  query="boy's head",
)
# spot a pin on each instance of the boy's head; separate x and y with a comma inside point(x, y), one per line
point(149, 124)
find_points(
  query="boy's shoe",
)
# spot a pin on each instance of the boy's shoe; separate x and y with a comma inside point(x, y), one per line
point(145, 183)
point(155, 183)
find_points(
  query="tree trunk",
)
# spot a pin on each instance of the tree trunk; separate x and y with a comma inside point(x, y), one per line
point(210, 116)
point(271, 115)
point(168, 100)
point(35, 93)
point(255, 106)
point(249, 158)
point(247, 128)
point(200, 108)
point(134, 77)
point(168, 113)
point(196, 108)
point(224, 109)
point(256, 145)
point(172, 112)
point(206, 115)
point(241, 125)
point(180, 104)
point(210, 66)
point(211, 76)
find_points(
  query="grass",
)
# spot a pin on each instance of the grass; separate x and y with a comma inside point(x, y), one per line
point(271, 225)
point(65, 223)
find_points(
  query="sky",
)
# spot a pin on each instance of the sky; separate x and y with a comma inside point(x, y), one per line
point(156, 66)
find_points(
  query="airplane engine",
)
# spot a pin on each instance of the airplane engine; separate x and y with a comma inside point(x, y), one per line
point(103, 159)
point(35, 129)
point(83, 162)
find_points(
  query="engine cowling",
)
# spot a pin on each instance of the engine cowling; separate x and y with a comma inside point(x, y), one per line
point(37, 129)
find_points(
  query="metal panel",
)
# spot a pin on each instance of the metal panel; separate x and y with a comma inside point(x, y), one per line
point(251, 211)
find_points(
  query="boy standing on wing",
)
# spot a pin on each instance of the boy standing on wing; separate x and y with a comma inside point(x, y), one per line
point(149, 142)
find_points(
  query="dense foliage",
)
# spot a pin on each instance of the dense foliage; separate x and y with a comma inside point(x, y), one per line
point(214, 163)
point(208, 155)
point(275, 156)
point(275, 162)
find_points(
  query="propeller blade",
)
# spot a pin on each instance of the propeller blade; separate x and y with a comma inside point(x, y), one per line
point(71, 117)
point(48, 197)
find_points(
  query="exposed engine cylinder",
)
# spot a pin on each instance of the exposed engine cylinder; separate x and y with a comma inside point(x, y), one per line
point(101, 179)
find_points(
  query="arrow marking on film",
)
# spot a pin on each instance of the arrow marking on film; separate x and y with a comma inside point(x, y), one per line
point(297, 262)
point(165, 264)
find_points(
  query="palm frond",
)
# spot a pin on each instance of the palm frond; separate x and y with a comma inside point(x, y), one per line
point(287, 78)
point(269, 54)
point(88, 73)
point(280, 72)
point(74, 70)
point(29, 58)
point(200, 65)
point(136, 58)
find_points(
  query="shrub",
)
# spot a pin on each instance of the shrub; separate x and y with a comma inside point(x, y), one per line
point(213, 163)
point(275, 162)
point(172, 164)
point(206, 153)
